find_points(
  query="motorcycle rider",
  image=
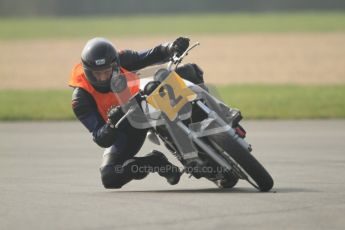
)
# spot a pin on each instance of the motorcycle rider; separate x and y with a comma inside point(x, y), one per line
point(95, 105)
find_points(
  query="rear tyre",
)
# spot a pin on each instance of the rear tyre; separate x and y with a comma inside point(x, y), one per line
point(228, 182)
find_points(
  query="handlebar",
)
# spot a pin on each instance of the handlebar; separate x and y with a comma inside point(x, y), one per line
point(138, 98)
point(175, 60)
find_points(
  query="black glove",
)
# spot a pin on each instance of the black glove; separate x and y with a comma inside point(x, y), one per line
point(115, 113)
point(179, 46)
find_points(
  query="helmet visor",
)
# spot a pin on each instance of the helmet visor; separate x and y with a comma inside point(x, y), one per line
point(101, 76)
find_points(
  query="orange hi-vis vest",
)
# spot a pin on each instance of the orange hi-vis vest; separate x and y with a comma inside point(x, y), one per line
point(105, 100)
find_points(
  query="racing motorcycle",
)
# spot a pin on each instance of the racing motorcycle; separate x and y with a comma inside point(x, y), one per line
point(201, 131)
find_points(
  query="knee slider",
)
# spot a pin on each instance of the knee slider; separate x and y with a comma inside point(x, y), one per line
point(109, 177)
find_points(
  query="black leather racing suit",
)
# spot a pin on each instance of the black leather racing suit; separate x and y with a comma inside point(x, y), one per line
point(85, 107)
point(124, 142)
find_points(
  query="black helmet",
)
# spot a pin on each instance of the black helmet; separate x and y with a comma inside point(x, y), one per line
point(100, 54)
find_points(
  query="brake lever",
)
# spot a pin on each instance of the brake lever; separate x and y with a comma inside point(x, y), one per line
point(177, 60)
point(189, 49)
point(129, 112)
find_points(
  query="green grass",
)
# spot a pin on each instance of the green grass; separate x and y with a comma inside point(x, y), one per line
point(286, 101)
point(43, 28)
point(255, 102)
point(35, 105)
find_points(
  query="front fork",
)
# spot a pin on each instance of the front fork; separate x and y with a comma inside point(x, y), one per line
point(206, 148)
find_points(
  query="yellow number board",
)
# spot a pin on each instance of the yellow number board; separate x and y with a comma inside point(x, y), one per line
point(171, 95)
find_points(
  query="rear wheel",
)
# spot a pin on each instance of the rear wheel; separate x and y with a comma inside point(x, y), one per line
point(229, 182)
point(255, 172)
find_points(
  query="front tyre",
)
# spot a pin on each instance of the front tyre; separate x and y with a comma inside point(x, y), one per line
point(244, 159)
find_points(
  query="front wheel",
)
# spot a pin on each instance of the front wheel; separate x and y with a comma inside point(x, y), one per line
point(244, 159)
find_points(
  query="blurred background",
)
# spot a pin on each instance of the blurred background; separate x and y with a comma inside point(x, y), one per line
point(260, 55)
point(117, 7)
point(272, 59)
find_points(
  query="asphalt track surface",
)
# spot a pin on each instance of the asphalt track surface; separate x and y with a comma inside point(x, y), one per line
point(49, 179)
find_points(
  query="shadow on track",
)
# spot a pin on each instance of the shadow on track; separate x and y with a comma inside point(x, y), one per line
point(205, 190)
point(294, 190)
point(217, 190)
